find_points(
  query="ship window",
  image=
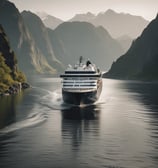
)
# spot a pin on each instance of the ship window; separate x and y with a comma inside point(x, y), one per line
point(80, 72)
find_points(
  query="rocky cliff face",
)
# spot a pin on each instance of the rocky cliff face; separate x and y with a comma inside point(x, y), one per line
point(6, 52)
point(30, 57)
point(141, 60)
point(9, 72)
point(39, 33)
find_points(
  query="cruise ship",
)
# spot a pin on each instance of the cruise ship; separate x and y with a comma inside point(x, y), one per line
point(81, 83)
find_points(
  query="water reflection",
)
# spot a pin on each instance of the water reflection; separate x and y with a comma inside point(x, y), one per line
point(7, 110)
point(78, 122)
point(5, 141)
point(90, 112)
point(146, 93)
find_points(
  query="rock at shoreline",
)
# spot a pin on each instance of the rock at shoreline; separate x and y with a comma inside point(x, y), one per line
point(25, 85)
point(15, 88)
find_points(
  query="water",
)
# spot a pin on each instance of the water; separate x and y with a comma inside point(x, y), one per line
point(120, 131)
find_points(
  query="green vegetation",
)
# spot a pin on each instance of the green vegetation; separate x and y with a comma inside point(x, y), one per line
point(19, 76)
point(10, 76)
point(7, 77)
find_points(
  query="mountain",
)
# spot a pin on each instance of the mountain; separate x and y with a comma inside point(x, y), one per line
point(117, 24)
point(87, 17)
point(50, 21)
point(141, 60)
point(73, 39)
point(6, 52)
point(39, 34)
point(30, 57)
point(9, 72)
point(125, 42)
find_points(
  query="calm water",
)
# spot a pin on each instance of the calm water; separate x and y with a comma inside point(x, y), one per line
point(37, 130)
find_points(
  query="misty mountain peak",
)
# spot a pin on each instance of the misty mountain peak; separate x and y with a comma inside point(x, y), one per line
point(117, 24)
point(49, 21)
point(89, 14)
point(31, 16)
point(29, 13)
point(87, 17)
point(110, 12)
point(42, 15)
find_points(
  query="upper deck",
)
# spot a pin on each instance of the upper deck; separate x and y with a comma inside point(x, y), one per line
point(82, 70)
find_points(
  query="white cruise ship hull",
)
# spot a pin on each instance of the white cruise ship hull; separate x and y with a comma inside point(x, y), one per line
point(81, 97)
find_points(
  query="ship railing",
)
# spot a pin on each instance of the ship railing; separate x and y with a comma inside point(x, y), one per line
point(79, 86)
point(83, 87)
point(79, 83)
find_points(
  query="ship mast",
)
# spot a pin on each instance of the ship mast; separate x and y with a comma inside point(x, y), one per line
point(80, 59)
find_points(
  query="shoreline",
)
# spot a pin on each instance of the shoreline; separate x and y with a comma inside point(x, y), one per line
point(15, 88)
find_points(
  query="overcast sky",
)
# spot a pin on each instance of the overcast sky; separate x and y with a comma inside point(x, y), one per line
point(66, 9)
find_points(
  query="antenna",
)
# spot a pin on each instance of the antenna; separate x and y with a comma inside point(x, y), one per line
point(81, 59)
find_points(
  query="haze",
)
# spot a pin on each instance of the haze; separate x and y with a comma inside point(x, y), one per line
point(66, 9)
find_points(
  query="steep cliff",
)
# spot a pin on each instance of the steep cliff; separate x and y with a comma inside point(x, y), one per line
point(9, 72)
point(141, 60)
point(30, 57)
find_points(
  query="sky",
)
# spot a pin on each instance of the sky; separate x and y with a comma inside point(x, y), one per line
point(66, 9)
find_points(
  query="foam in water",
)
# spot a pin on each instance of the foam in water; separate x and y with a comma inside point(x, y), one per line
point(54, 101)
point(31, 120)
